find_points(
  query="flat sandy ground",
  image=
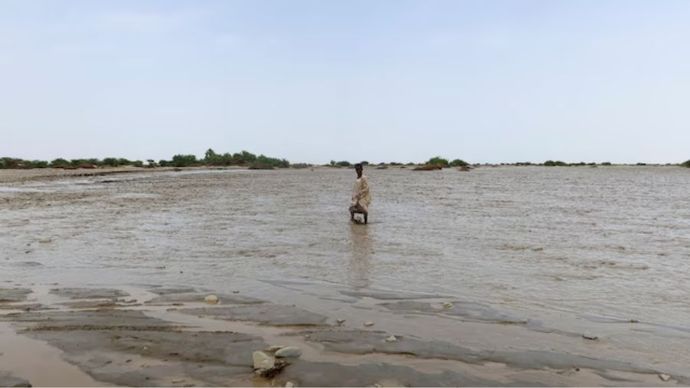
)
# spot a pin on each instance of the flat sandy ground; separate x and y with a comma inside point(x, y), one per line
point(147, 323)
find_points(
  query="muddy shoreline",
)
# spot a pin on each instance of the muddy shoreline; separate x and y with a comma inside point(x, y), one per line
point(171, 336)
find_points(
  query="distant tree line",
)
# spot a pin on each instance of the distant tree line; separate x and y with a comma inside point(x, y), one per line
point(248, 159)
point(211, 158)
point(435, 161)
point(6, 163)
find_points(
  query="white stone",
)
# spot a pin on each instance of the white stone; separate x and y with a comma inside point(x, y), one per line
point(289, 384)
point(391, 339)
point(664, 377)
point(289, 352)
point(263, 360)
point(274, 348)
point(368, 323)
point(211, 299)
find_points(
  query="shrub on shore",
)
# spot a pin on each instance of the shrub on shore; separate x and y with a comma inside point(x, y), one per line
point(437, 161)
point(686, 164)
point(459, 163)
point(557, 163)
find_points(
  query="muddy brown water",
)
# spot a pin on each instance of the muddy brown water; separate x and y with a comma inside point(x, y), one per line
point(561, 251)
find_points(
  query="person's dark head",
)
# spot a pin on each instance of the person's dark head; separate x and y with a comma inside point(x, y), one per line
point(358, 169)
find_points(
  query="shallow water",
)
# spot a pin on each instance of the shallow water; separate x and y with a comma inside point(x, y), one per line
point(574, 248)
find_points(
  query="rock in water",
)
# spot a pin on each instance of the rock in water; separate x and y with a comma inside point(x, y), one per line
point(274, 348)
point(211, 299)
point(391, 339)
point(263, 361)
point(368, 323)
point(664, 377)
point(289, 352)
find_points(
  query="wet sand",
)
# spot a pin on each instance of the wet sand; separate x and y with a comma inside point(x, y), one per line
point(92, 292)
point(134, 338)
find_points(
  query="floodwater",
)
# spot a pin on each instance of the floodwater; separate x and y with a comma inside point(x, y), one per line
point(580, 249)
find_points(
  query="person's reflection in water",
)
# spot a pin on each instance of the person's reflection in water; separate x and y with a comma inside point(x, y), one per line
point(361, 245)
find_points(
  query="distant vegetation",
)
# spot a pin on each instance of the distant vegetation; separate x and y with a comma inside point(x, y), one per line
point(458, 163)
point(211, 158)
point(260, 162)
point(437, 161)
point(67, 164)
point(343, 163)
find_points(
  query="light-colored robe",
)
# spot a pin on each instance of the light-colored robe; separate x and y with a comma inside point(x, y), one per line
point(360, 193)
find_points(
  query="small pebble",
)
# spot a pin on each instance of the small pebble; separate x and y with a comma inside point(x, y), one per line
point(447, 305)
point(664, 377)
point(340, 322)
point(391, 339)
point(262, 361)
point(289, 384)
point(368, 323)
point(590, 337)
point(211, 299)
point(288, 352)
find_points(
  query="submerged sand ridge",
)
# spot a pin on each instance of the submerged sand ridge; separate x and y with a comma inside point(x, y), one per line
point(499, 277)
point(179, 342)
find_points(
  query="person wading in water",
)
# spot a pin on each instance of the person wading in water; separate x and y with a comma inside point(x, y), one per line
point(361, 198)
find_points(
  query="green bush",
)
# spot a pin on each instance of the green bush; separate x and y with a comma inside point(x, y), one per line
point(459, 163)
point(686, 164)
point(38, 164)
point(184, 160)
point(551, 163)
point(606, 164)
point(343, 163)
point(59, 163)
point(10, 163)
point(111, 162)
point(438, 161)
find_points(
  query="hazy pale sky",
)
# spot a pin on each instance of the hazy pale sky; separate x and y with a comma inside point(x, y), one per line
point(485, 81)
